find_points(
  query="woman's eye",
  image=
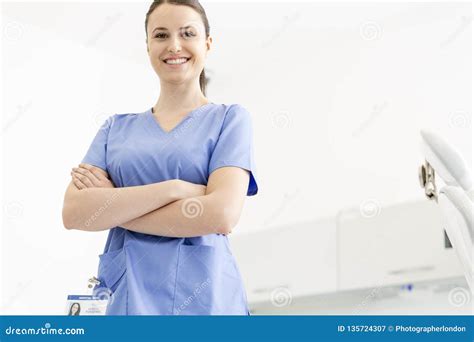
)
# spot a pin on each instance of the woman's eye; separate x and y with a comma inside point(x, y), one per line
point(189, 34)
point(186, 34)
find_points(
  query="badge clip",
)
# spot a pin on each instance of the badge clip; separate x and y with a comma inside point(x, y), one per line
point(93, 281)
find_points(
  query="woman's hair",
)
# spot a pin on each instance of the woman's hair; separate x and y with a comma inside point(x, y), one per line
point(77, 312)
point(194, 4)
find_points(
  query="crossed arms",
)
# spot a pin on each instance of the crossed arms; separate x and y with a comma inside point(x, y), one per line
point(172, 208)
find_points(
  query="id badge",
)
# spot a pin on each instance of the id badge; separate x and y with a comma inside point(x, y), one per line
point(88, 305)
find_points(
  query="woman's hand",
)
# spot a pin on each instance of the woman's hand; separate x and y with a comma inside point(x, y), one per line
point(89, 176)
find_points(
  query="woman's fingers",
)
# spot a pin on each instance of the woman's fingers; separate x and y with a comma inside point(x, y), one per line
point(87, 178)
point(93, 176)
point(88, 173)
point(97, 171)
point(77, 182)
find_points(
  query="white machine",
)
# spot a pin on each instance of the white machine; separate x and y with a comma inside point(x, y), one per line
point(455, 199)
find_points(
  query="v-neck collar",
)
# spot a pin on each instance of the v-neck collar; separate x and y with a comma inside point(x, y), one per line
point(150, 115)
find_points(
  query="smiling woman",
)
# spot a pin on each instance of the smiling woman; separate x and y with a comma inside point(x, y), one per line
point(194, 38)
point(174, 188)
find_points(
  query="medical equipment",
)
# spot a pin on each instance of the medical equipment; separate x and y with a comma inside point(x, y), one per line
point(455, 199)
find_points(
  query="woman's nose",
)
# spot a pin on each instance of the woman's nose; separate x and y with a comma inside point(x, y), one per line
point(175, 46)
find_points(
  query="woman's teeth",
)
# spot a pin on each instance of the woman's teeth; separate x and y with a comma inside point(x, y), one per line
point(176, 61)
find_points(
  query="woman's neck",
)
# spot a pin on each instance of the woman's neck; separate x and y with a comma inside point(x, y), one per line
point(175, 98)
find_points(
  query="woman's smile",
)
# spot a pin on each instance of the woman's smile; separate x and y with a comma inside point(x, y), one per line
point(176, 63)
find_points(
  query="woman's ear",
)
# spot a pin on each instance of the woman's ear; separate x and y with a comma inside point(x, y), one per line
point(208, 43)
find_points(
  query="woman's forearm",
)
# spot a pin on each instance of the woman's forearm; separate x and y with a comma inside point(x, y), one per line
point(189, 217)
point(96, 209)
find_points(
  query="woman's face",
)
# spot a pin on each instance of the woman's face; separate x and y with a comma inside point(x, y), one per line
point(177, 31)
point(74, 308)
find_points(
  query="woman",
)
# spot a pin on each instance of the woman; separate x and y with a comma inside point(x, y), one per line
point(75, 309)
point(169, 183)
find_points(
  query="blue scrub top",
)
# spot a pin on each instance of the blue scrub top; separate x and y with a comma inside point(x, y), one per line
point(156, 275)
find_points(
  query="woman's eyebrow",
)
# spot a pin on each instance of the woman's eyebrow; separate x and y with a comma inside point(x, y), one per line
point(165, 29)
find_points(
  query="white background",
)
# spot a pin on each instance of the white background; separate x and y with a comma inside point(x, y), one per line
point(338, 94)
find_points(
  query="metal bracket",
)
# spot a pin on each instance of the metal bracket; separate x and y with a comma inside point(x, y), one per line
point(426, 175)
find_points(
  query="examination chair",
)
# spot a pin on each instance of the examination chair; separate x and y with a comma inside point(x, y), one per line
point(455, 199)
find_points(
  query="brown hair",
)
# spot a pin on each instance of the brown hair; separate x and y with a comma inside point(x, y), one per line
point(194, 4)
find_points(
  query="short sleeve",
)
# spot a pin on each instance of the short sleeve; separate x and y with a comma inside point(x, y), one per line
point(96, 154)
point(234, 146)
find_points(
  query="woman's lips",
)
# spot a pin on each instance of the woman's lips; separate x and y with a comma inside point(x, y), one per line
point(177, 66)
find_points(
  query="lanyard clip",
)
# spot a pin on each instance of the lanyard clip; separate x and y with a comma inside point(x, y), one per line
point(93, 281)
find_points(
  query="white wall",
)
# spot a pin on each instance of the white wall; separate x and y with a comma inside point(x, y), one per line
point(338, 93)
